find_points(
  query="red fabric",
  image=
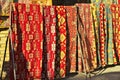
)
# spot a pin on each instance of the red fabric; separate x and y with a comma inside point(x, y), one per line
point(50, 37)
point(102, 34)
point(28, 41)
point(116, 28)
point(72, 31)
point(61, 15)
point(118, 1)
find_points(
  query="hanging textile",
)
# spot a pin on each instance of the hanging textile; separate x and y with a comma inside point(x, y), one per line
point(110, 50)
point(116, 33)
point(72, 31)
point(107, 52)
point(91, 36)
point(81, 42)
point(80, 56)
point(96, 26)
point(50, 39)
point(61, 42)
point(96, 13)
point(103, 34)
point(86, 29)
point(5, 7)
point(27, 26)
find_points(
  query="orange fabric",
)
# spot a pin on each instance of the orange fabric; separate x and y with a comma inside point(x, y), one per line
point(72, 31)
point(87, 39)
point(102, 34)
point(116, 27)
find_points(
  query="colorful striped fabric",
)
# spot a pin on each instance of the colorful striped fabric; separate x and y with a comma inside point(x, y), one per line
point(96, 14)
point(96, 26)
point(91, 37)
point(110, 49)
point(102, 35)
point(64, 39)
point(116, 32)
point(109, 53)
point(27, 24)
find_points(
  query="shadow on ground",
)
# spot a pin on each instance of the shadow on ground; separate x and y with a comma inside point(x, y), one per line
point(103, 76)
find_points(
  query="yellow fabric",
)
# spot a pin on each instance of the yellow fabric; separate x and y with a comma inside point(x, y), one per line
point(94, 26)
point(3, 37)
point(4, 23)
point(42, 2)
point(5, 7)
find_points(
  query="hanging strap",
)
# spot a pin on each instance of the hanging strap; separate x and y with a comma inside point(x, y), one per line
point(12, 48)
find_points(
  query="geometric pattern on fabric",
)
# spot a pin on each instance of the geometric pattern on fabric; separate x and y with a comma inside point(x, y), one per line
point(116, 30)
point(61, 45)
point(50, 40)
point(102, 34)
point(27, 36)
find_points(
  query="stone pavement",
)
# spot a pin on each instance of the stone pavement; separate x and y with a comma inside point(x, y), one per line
point(109, 73)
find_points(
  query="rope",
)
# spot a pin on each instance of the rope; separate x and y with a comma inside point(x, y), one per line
point(12, 48)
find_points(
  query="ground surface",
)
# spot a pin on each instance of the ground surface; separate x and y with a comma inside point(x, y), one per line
point(109, 73)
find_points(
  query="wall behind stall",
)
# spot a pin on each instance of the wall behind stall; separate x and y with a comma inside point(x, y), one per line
point(69, 2)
